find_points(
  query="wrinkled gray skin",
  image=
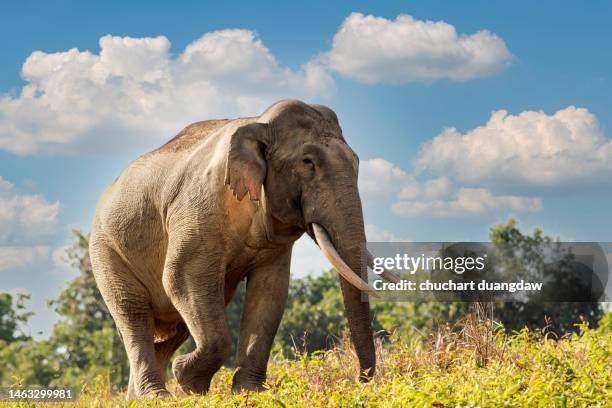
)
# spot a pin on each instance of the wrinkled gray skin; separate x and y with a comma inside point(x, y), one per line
point(176, 232)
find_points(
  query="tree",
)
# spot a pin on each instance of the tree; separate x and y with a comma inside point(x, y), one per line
point(12, 316)
point(13, 342)
point(523, 253)
point(84, 344)
point(314, 316)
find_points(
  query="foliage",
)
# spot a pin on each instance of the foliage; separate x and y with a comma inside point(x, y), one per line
point(13, 315)
point(86, 335)
point(475, 364)
point(528, 251)
point(84, 343)
point(422, 361)
point(314, 316)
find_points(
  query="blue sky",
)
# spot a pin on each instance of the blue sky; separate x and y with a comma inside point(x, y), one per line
point(396, 83)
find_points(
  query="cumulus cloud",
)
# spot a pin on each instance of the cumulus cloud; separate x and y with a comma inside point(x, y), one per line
point(376, 50)
point(134, 89)
point(19, 257)
point(381, 176)
point(430, 189)
point(468, 201)
point(28, 226)
point(24, 216)
point(531, 148)
point(435, 196)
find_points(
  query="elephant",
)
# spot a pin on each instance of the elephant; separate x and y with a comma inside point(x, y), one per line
point(173, 236)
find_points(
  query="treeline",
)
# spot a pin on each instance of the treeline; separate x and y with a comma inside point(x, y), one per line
point(84, 346)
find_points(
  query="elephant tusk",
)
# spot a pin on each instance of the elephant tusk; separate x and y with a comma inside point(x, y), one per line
point(336, 260)
point(386, 275)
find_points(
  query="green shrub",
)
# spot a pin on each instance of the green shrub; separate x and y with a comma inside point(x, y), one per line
point(474, 364)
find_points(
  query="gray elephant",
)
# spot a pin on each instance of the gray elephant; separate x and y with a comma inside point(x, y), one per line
point(173, 236)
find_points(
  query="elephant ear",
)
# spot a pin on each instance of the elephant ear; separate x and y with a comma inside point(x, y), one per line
point(246, 166)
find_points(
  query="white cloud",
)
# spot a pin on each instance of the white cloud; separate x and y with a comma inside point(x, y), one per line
point(376, 50)
point(61, 263)
point(436, 196)
point(19, 257)
point(5, 186)
point(24, 217)
point(430, 189)
point(468, 201)
point(374, 233)
point(134, 89)
point(531, 148)
point(381, 176)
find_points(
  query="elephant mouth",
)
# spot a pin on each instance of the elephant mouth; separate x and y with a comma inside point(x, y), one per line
point(323, 240)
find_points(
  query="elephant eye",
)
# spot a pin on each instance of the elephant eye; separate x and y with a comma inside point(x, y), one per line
point(309, 163)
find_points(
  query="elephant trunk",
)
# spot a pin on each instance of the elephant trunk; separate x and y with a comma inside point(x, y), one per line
point(342, 243)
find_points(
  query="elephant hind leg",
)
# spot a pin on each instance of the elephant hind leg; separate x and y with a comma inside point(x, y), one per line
point(129, 303)
point(165, 349)
point(136, 324)
point(145, 376)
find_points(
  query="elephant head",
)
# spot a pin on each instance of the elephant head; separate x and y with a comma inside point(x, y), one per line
point(308, 172)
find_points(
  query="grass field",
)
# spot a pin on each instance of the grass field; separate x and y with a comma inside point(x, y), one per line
point(475, 364)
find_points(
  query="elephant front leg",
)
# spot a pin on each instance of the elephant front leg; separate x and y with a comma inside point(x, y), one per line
point(266, 295)
point(194, 283)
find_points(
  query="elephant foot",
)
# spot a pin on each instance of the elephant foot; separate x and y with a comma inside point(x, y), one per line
point(160, 394)
point(152, 394)
point(191, 379)
point(243, 381)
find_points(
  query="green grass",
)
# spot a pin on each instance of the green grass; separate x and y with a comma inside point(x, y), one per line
point(472, 365)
